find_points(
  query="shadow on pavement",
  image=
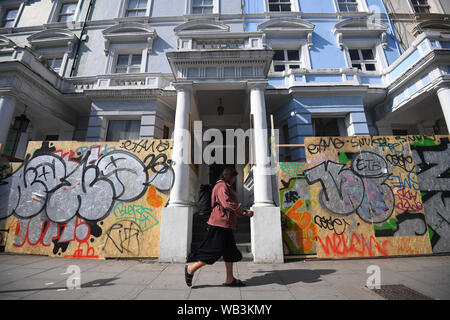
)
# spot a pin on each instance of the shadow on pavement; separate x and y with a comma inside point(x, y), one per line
point(281, 277)
point(90, 284)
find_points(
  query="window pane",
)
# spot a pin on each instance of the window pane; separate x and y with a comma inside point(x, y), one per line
point(198, 2)
point(207, 10)
point(197, 10)
point(357, 65)
point(8, 23)
point(294, 66)
point(208, 2)
point(353, 54)
point(65, 18)
point(274, 7)
point(11, 14)
point(142, 4)
point(367, 54)
point(136, 59)
point(370, 67)
point(122, 60)
point(121, 70)
point(293, 55)
point(55, 64)
point(123, 130)
point(131, 13)
point(279, 55)
point(285, 7)
point(140, 13)
point(68, 8)
point(134, 70)
point(132, 4)
point(279, 67)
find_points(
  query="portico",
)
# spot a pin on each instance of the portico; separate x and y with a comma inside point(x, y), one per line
point(247, 72)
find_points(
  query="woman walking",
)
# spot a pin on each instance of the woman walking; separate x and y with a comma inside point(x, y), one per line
point(220, 239)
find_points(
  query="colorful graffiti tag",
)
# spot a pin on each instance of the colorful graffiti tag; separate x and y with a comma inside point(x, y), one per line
point(367, 196)
point(88, 200)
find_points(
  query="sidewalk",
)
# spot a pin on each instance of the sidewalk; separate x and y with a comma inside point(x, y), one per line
point(39, 277)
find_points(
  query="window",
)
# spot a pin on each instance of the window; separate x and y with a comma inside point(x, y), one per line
point(128, 63)
point(67, 11)
point(348, 5)
point(10, 17)
point(326, 127)
point(55, 64)
point(202, 6)
point(123, 130)
point(136, 8)
point(279, 5)
point(421, 6)
point(284, 60)
point(363, 59)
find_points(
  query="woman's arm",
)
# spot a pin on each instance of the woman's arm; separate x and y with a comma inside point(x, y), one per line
point(226, 200)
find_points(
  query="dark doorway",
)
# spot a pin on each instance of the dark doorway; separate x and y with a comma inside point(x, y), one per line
point(216, 168)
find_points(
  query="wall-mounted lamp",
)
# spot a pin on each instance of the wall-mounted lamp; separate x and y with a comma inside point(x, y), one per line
point(21, 122)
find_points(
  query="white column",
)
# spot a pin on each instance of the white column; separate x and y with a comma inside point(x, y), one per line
point(7, 106)
point(261, 169)
point(265, 226)
point(176, 219)
point(179, 195)
point(444, 99)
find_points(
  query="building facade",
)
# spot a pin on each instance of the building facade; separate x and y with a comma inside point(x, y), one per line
point(97, 70)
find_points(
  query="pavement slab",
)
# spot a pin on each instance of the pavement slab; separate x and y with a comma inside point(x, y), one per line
point(46, 278)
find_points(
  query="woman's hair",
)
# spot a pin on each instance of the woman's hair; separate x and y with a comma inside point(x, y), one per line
point(227, 174)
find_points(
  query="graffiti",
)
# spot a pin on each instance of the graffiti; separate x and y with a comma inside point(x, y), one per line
point(124, 237)
point(46, 181)
point(368, 190)
point(139, 214)
point(402, 182)
point(83, 251)
point(64, 196)
point(159, 146)
point(153, 199)
point(408, 200)
point(40, 231)
point(324, 144)
point(361, 189)
point(358, 245)
point(298, 229)
point(430, 156)
point(305, 231)
point(404, 162)
point(404, 224)
point(292, 168)
point(336, 225)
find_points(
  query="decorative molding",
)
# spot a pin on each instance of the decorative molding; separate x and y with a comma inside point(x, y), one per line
point(201, 26)
point(53, 38)
point(363, 27)
point(131, 31)
point(6, 43)
point(288, 26)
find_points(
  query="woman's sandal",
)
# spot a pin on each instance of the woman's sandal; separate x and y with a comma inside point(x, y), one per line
point(188, 277)
point(235, 283)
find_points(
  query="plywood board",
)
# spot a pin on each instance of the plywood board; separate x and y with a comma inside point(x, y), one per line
point(365, 197)
point(89, 199)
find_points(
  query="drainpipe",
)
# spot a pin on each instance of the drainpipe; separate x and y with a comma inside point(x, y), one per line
point(81, 38)
point(392, 27)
